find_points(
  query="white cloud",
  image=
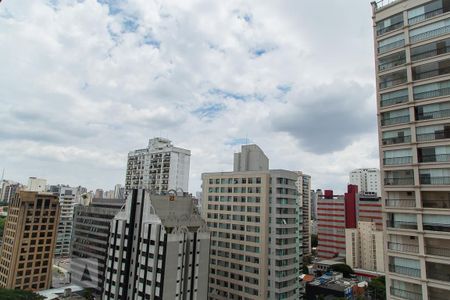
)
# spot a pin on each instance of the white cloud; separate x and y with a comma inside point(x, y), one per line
point(84, 82)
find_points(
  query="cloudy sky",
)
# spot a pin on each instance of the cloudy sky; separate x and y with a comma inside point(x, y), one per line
point(84, 82)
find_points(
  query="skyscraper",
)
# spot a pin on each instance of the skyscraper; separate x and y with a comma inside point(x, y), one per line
point(65, 227)
point(254, 215)
point(411, 40)
point(158, 249)
point(367, 180)
point(159, 167)
point(304, 191)
point(28, 241)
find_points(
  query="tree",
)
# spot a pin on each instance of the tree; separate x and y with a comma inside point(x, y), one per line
point(344, 269)
point(2, 225)
point(7, 294)
point(377, 288)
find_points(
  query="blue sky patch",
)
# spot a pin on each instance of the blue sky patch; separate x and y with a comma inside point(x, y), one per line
point(209, 110)
point(238, 141)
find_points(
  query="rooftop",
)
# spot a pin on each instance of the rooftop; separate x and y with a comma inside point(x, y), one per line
point(379, 4)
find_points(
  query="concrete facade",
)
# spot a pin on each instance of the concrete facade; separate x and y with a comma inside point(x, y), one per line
point(36, 184)
point(367, 180)
point(411, 41)
point(67, 203)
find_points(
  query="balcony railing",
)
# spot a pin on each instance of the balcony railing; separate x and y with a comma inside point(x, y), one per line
point(391, 64)
point(401, 202)
point(438, 251)
point(438, 180)
point(399, 181)
point(395, 120)
point(404, 270)
point(391, 46)
point(445, 113)
point(439, 135)
point(406, 294)
point(430, 73)
point(425, 16)
point(393, 82)
point(434, 158)
point(429, 34)
point(403, 247)
point(401, 224)
point(397, 160)
point(389, 28)
point(431, 94)
point(436, 203)
point(436, 227)
point(392, 101)
point(396, 140)
point(430, 53)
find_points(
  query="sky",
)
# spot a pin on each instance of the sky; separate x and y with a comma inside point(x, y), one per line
point(84, 82)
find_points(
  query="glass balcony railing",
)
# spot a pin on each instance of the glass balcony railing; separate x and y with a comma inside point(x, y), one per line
point(438, 271)
point(431, 94)
point(384, 66)
point(410, 295)
point(392, 101)
point(394, 120)
point(396, 140)
point(430, 53)
point(393, 82)
point(401, 224)
point(438, 135)
point(404, 270)
point(417, 75)
point(389, 28)
point(399, 181)
point(425, 16)
point(436, 227)
point(436, 203)
point(437, 180)
point(398, 160)
point(438, 251)
point(403, 247)
point(445, 113)
point(434, 158)
point(391, 46)
point(401, 202)
point(429, 34)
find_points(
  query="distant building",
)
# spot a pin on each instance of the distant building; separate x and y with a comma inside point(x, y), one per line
point(367, 180)
point(304, 191)
point(364, 247)
point(159, 167)
point(91, 231)
point(9, 190)
point(158, 249)
point(29, 241)
point(315, 195)
point(98, 194)
point(36, 184)
point(332, 286)
point(65, 227)
point(119, 192)
point(255, 217)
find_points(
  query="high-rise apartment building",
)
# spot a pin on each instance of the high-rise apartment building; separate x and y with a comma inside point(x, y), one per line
point(91, 237)
point(159, 167)
point(304, 192)
point(9, 190)
point(67, 203)
point(315, 195)
point(36, 184)
point(29, 239)
point(158, 249)
point(254, 215)
point(411, 40)
point(367, 180)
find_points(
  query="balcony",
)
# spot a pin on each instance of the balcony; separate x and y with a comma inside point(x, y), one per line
point(437, 251)
point(413, 272)
point(389, 28)
point(436, 203)
point(387, 83)
point(429, 34)
point(403, 247)
point(399, 180)
point(438, 135)
point(445, 113)
point(437, 294)
point(437, 180)
point(396, 140)
point(393, 101)
point(434, 158)
point(398, 160)
point(405, 294)
point(438, 271)
point(423, 17)
point(436, 227)
point(401, 202)
point(438, 50)
point(394, 61)
point(391, 46)
point(431, 94)
point(401, 224)
point(394, 120)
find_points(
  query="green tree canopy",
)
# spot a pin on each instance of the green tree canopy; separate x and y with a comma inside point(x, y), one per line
point(7, 294)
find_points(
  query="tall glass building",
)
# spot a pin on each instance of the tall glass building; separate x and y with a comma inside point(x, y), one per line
point(412, 57)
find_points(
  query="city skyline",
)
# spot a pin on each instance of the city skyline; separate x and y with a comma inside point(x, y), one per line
point(210, 90)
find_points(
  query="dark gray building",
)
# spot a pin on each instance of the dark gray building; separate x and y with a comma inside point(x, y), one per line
point(158, 249)
point(90, 237)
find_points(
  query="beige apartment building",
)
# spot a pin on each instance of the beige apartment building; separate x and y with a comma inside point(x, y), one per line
point(254, 217)
point(412, 49)
point(28, 241)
